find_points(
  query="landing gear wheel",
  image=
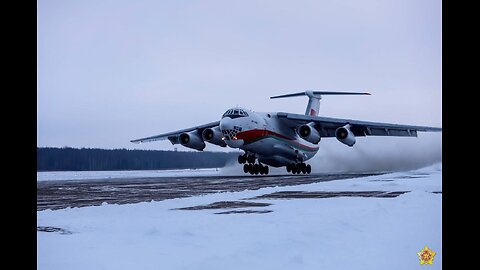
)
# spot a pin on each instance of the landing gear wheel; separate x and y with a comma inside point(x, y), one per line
point(289, 167)
point(303, 168)
point(258, 168)
point(251, 169)
point(242, 159)
point(246, 168)
point(265, 170)
point(309, 169)
point(251, 159)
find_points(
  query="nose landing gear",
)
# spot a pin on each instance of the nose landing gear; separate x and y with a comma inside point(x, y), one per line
point(297, 168)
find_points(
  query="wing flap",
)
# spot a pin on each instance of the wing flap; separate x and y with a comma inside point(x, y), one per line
point(391, 132)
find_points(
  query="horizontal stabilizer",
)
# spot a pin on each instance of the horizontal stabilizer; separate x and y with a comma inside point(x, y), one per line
point(314, 99)
point(318, 93)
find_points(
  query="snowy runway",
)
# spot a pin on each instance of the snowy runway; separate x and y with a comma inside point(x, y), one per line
point(366, 222)
point(88, 192)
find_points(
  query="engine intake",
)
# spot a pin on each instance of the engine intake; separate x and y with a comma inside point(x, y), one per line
point(214, 136)
point(309, 133)
point(192, 140)
point(345, 135)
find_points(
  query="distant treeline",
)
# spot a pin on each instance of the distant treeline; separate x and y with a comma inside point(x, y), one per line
point(91, 159)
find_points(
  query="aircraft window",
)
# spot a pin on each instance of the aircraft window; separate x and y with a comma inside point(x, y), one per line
point(235, 113)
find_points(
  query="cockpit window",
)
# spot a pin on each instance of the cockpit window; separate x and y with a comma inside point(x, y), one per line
point(235, 113)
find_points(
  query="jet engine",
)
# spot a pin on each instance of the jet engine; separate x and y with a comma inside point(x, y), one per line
point(345, 135)
point(213, 135)
point(192, 140)
point(309, 133)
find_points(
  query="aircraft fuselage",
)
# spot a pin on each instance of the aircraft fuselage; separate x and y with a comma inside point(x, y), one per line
point(262, 134)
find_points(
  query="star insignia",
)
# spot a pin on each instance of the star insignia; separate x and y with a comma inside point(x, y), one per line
point(426, 255)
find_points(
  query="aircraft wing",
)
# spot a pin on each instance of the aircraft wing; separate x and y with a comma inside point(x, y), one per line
point(326, 126)
point(173, 136)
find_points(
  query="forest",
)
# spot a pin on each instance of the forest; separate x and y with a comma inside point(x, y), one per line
point(94, 159)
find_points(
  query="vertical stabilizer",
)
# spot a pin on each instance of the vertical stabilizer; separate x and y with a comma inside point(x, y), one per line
point(313, 105)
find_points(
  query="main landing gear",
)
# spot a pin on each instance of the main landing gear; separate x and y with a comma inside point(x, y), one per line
point(255, 169)
point(246, 158)
point(297, 168)
point(251, 167)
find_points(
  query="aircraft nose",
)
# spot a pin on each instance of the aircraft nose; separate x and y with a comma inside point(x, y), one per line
point(229, 130)
point(226, 123)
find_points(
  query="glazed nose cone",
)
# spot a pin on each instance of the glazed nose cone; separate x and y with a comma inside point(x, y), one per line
point(226, 123)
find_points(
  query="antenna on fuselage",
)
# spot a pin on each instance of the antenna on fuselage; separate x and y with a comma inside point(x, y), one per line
point(314, 97)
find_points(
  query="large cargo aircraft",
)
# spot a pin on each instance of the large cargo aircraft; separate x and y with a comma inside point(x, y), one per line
point(282, 139)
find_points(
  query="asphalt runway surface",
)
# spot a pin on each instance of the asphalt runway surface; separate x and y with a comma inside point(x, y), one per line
point(80, 193)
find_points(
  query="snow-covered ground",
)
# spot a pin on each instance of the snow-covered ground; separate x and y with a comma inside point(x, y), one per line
point(94, 175)
point(326, 233)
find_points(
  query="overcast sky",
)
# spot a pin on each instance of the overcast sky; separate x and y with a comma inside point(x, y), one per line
point(113, 71)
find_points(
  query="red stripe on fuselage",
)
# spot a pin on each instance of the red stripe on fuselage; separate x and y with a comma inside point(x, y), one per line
point(254, 134)
point(258, 134)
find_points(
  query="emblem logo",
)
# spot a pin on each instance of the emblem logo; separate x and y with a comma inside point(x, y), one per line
point(426, 255)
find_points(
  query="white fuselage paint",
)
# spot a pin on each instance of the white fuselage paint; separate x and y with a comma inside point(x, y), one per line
point(261, 133)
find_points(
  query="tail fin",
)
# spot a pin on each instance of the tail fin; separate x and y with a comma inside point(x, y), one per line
point(314, 99)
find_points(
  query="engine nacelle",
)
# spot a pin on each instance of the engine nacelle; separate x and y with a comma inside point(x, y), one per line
point(213, 135)
point(192, 140)
point(309, 133)
point(345, 135)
